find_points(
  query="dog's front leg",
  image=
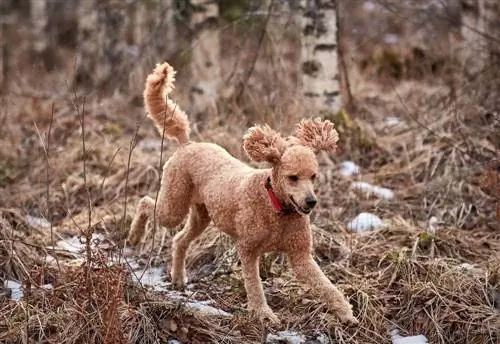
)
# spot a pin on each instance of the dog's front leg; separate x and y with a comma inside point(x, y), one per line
point(255, 293)
point(310, 273)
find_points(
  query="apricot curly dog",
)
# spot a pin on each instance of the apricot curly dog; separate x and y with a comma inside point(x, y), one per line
point(264, 210)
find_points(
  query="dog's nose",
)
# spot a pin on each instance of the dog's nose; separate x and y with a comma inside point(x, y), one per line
point(311, 201)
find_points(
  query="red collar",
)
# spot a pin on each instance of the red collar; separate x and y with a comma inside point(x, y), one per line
point(280, 208)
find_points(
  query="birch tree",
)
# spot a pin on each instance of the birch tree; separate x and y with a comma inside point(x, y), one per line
point(205, 56)
point(319, 56)
point(481, 34)
point(39, 13)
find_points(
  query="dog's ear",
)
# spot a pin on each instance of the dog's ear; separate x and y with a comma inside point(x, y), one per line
point(317, 134)
point(261, 143)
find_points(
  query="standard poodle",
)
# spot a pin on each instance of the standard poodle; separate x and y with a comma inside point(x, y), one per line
point(264, 210)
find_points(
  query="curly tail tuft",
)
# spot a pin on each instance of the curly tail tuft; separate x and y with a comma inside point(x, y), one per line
point(168, 117)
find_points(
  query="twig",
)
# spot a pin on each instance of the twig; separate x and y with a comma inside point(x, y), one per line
point(46, 149)
point(88, 232)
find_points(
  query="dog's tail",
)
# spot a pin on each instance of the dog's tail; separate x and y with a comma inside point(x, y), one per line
point(170, 120)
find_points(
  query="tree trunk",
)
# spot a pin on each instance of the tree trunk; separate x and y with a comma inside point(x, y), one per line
point(113, 23)
point(42, 47)
point(4, 18)
point(205, 57)
point(481, 48)
point(319, 57)
point(150, 19)
point(88, 45)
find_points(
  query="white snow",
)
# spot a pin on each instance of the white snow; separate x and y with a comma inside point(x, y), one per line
point(39, 222)
point(155, 277)
point(202, 307)
point(348, 168)
point(467, 266)
point(364, 222)
point(15, 287)
point(368, 188)
point(391, 38)
point(392, 120)
point(323, 338)
point(151, 144)
point(369, 6)
point(173, 341)
point(397, 339)
point(73, 244)
point(289, 337)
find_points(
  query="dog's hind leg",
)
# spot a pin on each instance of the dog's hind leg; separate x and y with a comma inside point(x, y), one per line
point(197, 222)
point(173, 203)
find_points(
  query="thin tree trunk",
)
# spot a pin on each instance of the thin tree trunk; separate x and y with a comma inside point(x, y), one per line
point(88, 45)
point(113, 22)
point(148, 18)
point(319, 57)
point(42, 49)
point(3, 46)
point(473, 52)
point(206, 55)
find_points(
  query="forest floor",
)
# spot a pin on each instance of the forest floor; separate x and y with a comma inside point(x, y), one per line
point(418, 154)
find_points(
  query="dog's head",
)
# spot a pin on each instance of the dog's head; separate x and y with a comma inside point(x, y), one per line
point(293, 159)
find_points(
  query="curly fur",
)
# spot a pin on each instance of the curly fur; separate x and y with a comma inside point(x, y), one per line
point(261, 143)
point(170, 120)
point(317, 134)
point(203, 182)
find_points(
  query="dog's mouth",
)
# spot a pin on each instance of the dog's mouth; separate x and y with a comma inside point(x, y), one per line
point(299, 209)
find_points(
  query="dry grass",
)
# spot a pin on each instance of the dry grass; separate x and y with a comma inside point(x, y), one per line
point(440, 280)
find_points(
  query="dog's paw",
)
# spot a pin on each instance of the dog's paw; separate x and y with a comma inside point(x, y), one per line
point(347, 317)
point(266, 315)
point(179, 282)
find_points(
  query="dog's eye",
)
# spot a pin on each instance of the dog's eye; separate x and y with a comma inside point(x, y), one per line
point(293, 178)
point(313, 177)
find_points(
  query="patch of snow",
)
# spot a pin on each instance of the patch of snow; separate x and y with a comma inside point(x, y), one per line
point(38, 222)
point(391, 38)
point(202, 307)
point(348, 168)
point(173, 341)
point(323, 338)
point(392, 120)
point(467, 266)
point(397, 339)
point(155, 277)
point(15, 287)
point(364, 222)
point(148, 144)
point(369, 6)
point(73, 244)
point(368, 188)
point(289, 337)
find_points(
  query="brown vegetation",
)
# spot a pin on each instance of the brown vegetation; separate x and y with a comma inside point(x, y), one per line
point(82, 163)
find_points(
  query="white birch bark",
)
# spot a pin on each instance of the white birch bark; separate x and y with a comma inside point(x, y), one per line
point(319, 57)
point(206, 56)
point(40, 21)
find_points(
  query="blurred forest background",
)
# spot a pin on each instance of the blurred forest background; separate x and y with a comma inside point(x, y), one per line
point(413, 87)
